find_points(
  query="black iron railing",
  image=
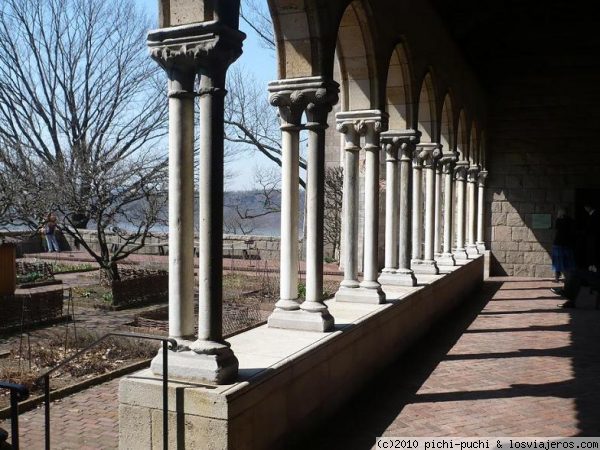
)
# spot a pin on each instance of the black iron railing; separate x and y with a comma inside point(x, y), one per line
point(168, 344)
point(18, 393)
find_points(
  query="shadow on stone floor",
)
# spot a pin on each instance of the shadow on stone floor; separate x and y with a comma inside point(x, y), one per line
point(369, 413)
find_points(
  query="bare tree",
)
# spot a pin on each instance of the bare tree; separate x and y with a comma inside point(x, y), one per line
point(334, 183)
point(258, 18)
point(81, 108)
point(251, 123)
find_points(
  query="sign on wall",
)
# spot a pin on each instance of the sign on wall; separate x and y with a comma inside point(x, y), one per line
point(541, 221)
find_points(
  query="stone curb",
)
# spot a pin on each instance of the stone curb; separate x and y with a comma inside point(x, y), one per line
point(33, 402)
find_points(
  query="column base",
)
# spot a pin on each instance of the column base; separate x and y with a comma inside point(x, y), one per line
point(372, 296)
point(301, 320)
point(424, 266)
point(219, 366)
point(402, 277)
point(460, 254)
point(481, 247)
point(446, 259)
point(471, 250)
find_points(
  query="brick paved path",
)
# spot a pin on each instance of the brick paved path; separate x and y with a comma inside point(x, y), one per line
point(84, 421)
point(523, 367)
point(515, 365)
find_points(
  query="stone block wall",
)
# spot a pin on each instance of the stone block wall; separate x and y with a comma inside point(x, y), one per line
point(542, 147)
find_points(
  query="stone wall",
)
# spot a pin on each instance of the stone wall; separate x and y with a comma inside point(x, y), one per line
point(543, 147)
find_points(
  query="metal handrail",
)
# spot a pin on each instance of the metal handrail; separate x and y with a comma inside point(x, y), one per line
point(18, 393)
point(168, 344)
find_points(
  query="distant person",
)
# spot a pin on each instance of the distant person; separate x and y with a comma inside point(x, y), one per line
point(591, 275)
point(49, 231)
point(563, 259)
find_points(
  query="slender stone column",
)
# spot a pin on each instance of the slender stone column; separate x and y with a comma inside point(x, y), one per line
point(428, 154)
point(291, 107)
point(351, 130)
point(181, 202)
point(404, 276)
point(398, 146)
point(461, 174)
point(437, 224)
point(321, 101)
point(376, 122)
point(417, 209)
point(209, 48)
point(480, 211)
point(316, 96)
point(353, 124)
point(392, 203)
point(472, 174)
point(447, 258)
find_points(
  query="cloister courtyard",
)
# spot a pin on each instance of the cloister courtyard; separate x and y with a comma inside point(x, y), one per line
point(462, 131)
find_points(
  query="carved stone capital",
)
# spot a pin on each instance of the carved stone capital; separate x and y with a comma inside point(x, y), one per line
point(400, 143)
point(482, 177)
point(294, 96)
point(472, 174)
point(369, 123)
point(427, 153)
point(206, 46)
point(447, 162)
point(460, 170)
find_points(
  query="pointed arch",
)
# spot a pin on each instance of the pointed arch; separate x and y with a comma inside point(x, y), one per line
point(355, 54)
point(462, 143)
point(447, 125)
point(473, 145)
point(482, 151)
point(399, 90)
point(299, 36)
point(426, 112)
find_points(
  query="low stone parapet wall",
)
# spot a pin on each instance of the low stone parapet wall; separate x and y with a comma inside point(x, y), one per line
point(291, 381)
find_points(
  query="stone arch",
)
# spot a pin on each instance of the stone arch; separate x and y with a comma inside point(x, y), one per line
point(299, 36)
point(399, 90)
point(473, 146)
point(482, 151)
point(462, 143)
point(355, 56)
point(426, 111)
point(447, 124)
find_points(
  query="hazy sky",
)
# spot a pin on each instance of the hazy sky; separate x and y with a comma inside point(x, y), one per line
point(262, 64)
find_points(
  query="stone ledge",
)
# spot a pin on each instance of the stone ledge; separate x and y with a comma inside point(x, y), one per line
point(290, 381)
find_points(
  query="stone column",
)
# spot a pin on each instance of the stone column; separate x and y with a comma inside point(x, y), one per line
point(316, 96)
point(472, 174)
point(438, 225)
point(181, 202)
point(417, 209)
point(352, 130)
point(461, 174)
point(404, 276)
point(316, 315)
point(428, 153)
point(399, 147)
point(291, 106)
point(392, 203)
point(209, 47)
point(353, 124)
point(480, 211)
point(447, 258)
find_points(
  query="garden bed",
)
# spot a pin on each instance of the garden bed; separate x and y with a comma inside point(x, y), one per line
point(25, 365)
point(30, 309)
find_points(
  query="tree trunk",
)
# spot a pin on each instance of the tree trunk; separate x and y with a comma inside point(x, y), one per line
point(112, 271)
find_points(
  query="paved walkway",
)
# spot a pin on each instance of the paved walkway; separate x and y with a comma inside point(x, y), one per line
point(509, 363)
point(515, 365)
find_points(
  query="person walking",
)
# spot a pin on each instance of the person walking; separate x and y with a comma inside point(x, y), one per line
point(563, 259)
point(49, 231)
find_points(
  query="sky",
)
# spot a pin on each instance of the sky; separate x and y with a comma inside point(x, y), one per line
point(262, 64)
